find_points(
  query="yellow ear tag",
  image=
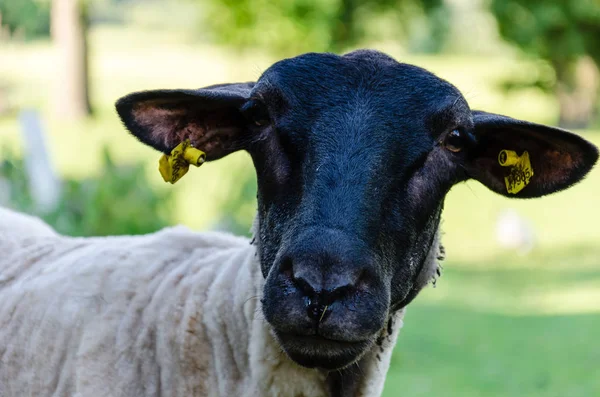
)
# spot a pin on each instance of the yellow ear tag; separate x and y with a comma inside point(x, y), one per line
point(174, 166)
point(520, 170)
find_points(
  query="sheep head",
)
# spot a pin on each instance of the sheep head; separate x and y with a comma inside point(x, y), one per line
point(354, 155)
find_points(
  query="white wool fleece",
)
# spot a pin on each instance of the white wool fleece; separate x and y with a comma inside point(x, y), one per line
point(13, 223)
point(174, 313)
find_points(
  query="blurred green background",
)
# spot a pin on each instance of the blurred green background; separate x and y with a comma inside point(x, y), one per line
point(517, 311)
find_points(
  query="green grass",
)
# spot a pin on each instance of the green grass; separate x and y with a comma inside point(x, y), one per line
point(498, 324)
point(526, 329)
point(457, 352)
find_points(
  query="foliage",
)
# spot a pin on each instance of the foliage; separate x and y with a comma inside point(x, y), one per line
point(119, 200)
point(31, 17)
point(563, 33)
point(560, 31)
point(238, 207)
point(293, 26)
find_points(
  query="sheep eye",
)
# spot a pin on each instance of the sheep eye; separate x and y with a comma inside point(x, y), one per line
point(256, 113)
point(454, 141)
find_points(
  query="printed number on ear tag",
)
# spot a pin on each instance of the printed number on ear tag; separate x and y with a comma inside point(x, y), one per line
point(520, 170)
point(174, 166)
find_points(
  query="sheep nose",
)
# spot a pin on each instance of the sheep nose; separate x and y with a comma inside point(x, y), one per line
point(324, 266)
point(321, 285)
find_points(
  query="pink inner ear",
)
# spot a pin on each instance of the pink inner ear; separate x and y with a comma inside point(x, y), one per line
point(163, 125)
point(212, 131)
point(557, 167)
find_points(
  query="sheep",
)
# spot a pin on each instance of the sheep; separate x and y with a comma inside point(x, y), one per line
point(354, 155)
point(13, 223)
point(185, 325)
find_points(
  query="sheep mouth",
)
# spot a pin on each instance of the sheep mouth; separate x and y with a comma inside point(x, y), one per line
point(315, 351)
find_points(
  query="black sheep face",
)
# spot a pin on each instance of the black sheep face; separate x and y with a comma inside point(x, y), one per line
point(354, 155)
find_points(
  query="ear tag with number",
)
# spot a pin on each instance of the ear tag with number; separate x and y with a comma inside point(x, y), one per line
point(520, 170)
point(174, 166)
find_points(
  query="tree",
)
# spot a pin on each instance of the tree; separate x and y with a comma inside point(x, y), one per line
point(289, 27)
point(29, 17)
point(565, 33)
point(69, 25)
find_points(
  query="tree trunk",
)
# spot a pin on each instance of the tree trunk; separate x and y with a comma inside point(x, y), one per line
point(69, 33)
point(577, 91)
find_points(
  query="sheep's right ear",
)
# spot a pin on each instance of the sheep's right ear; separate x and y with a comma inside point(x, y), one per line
point(208, 117)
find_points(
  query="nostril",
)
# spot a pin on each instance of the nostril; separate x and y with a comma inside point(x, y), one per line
point(286, 268)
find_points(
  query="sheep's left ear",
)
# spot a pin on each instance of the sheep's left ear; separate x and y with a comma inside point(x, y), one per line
point(556, 158)
point(209, 117)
